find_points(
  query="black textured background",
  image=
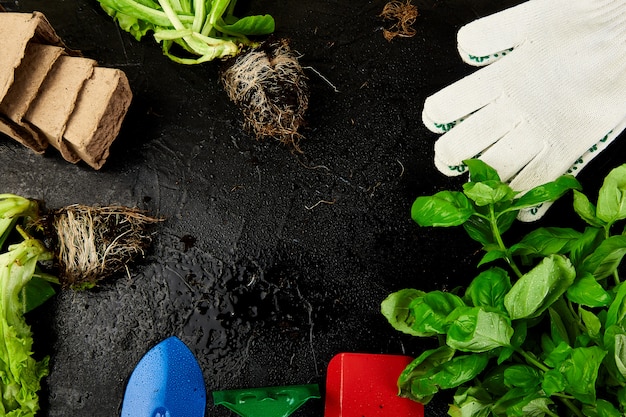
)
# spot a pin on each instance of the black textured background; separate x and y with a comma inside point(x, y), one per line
point(262, 283)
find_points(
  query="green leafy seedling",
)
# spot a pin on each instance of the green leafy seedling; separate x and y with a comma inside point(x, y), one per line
point(203, 30)
point(543, 333)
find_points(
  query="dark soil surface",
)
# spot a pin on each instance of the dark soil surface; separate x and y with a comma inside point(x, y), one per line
point(269, 263)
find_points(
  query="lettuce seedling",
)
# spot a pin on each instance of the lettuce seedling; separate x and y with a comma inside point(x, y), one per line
point(12, 209)
point(88, 244)
point(205, 29)
point(22, 288)
point(17, 211)
point(20, 372)
point(548, 339)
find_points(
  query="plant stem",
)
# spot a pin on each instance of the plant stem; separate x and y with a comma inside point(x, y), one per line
point(531, 360)
point(171, 15)
point(199, 13)
point(571, 406)
point(493, 221)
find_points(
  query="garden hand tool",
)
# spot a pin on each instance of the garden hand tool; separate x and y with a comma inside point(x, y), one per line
point(167, 382)
point(279, 401)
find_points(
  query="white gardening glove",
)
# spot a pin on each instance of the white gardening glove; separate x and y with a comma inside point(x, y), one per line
point(551, 96)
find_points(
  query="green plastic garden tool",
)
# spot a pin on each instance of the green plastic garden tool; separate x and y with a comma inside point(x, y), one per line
point(279, 401)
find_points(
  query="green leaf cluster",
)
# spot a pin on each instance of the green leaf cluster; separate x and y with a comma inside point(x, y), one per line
point(204, 29)
point(541, 333)
point(20, 373)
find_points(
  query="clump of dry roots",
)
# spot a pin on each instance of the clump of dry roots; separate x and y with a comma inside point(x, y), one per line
point(93, 243)
point(403, 15)
point(270, 87)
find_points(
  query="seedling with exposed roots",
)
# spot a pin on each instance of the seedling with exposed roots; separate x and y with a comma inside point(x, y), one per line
point(264, 79)
point(93, 243)
point(269, 86)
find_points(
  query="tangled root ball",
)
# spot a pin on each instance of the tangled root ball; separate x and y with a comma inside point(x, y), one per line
point(93, 243)
point(269, 86)
point(403, 15)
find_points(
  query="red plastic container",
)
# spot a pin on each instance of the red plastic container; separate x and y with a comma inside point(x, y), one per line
point(365, 385)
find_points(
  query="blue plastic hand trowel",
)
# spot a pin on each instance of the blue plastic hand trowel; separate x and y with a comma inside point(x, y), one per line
point(167, 382)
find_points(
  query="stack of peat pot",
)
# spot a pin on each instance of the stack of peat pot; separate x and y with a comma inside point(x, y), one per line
point(51, 95)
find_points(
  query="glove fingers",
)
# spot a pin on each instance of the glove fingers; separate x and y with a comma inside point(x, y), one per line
point(512, 153)
point(487, 39)
point(548, 167)
point(471, 137)
point(446, 108)
point(527, 182)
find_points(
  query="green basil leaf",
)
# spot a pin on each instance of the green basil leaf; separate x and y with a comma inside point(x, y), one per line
point(512, 402)
point(588, 242)
point(520, 331)
point(553, 382)
point(606, 258)
point(396, 310)
point(492, 255)
point(505, 354)
point(444, 209)
point(535, 405)
point(617, 309)
point(459, 370)
point(546, 241)
point(536, 290)
point(479, 229)
point(593, 325)
point(488, 192)
point(583, 340)
point(519, 335)
point(558, 330)
point(586, 210)
point(558, 354)
point(523, 376)
point(581, 371)
point(621, 397)
point(489, 288)
point(470, 401)
point(473, 329)
point(601, 408)
point(612, 196)
point(547, 344)
point(493, 382)
point(588, 292)
point(547, 192)
point(415, 382)
point(480, 171)
point(430, 312)
point(615, 361)
point(620, 353)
